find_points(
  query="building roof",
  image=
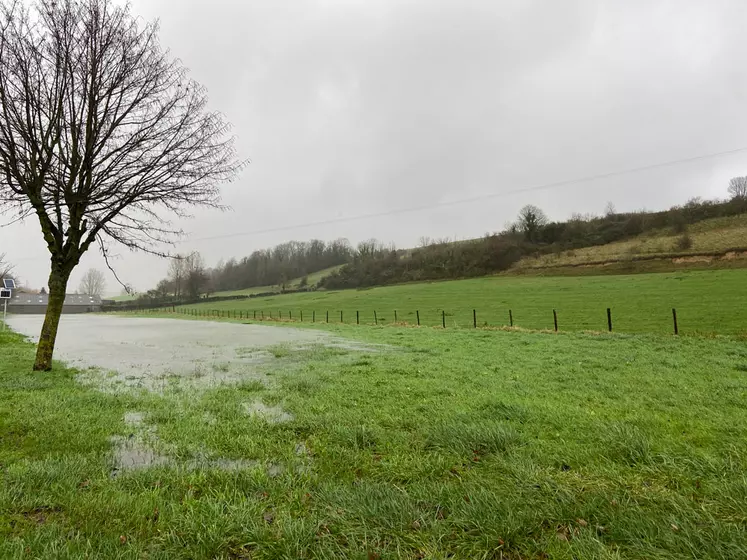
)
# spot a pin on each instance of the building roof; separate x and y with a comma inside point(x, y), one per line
point(43, 299)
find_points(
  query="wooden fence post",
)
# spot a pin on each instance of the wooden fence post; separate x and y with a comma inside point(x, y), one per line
point(417, 313)
point(395, 315)
point(674, 317)
point(555, 319)
point(357, 318)
point(609, 319)
point(510, 318)
point(474, 317)
point(376, 318)
point(443, 318)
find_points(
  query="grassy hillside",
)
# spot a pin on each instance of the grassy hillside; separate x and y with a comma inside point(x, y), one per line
point(718, 235)
point(706, 301)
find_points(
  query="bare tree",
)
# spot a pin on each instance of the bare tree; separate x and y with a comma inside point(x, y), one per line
point(370, 248)
point(531, 219)
point(164, 288)
point(103, 136)
point(93, 283)
point(6, 268)
point(176, 274)
point(738, 187)
point(196, 278)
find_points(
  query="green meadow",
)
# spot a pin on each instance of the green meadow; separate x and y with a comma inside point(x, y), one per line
point(706, 302)
point(423, 443)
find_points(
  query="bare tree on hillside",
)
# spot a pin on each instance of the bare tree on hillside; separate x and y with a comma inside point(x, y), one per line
point(103, 136)
point(531, 219)
point(93, 283)
point(738, 187)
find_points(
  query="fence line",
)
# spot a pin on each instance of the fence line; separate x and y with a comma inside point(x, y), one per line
point(377, 319)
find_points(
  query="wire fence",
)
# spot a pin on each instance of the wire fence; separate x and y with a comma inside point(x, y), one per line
point(441, 319)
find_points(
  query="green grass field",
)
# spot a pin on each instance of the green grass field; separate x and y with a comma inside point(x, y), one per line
point(706, 302)
point(441, 444)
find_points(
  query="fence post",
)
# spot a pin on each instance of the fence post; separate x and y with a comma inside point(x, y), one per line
point(443, 318)
point(255, 313)
point(290, 315)
point(341, 315)
point(555, 319)
point(357, 318)
point(263, 315)
point(510, 318)
point(376, 318)
point(328, 315)
point(313, 316)
point(417, 314)
point(474, 317)
point(302, 315)
point(609, 319)
point(280, 315)
point(674, 317)
point(395, 315)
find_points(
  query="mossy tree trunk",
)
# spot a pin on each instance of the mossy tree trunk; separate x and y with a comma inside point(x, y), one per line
point(58, 278)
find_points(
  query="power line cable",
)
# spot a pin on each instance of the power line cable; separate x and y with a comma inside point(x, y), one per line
point(478, 198)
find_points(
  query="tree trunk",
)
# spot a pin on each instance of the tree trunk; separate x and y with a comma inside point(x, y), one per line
point(57, 288)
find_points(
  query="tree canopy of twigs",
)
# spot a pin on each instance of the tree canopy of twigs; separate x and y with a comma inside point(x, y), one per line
point(738, 187)
point(103, 136)
point(5, 268)
point(93, 283)
point(531, 219)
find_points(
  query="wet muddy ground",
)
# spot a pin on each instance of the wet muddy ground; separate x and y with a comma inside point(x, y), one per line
point(174, 358)
point(157, 354)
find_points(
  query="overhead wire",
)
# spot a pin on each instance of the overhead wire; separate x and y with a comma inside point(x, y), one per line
point(477, 198)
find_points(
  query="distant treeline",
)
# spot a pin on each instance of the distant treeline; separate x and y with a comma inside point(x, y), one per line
point(277, 266)
point(532, 234)
point(371, 263)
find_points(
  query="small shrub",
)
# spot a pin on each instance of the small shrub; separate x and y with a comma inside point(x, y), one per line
point(683, 243)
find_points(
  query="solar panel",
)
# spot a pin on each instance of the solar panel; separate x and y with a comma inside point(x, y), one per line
point(9, 284)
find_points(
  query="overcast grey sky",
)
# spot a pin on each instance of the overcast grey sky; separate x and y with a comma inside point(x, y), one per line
point(350, 107)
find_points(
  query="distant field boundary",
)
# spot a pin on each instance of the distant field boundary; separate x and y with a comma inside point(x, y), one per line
point(338, 317)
